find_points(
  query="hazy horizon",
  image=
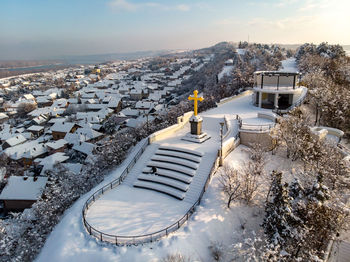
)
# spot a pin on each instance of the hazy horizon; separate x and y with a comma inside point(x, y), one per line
point(41, 29)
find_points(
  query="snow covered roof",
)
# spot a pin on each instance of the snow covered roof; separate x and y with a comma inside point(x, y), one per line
point(88, 133)
point(35, 128)
point(50, 160)
point(29, 97)
point(144, 105)
point(21, 188)
point(3, 116)
point(40, 119)
point(63, 127)
point(57, 144)
point(84, 147)
point(114, 102)
point(130, 112)
point(16, 140)
point(73, 167)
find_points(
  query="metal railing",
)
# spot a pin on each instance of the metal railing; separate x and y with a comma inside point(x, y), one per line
point(296, 104)
point(139, 239)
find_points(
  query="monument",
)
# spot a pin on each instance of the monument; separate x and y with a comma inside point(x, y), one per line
point(196, 135)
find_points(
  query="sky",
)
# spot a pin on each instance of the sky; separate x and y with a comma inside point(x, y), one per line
point(43, 29)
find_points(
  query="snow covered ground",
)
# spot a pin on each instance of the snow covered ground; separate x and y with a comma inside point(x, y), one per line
point(211, 222)
point(289, 65)
point(226, 70)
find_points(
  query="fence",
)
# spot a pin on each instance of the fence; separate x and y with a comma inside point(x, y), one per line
point(296, 104)
point(139, 239)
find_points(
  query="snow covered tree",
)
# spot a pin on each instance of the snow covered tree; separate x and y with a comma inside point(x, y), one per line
point(230, 184)
point(318, 192)
point(279, 217)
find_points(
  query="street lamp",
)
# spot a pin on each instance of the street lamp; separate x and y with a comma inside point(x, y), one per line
point(221, 160)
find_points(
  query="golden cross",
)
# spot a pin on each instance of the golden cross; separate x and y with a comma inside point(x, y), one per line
point(195, 98)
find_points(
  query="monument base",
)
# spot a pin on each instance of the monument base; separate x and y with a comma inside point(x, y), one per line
point(196, 138)
point(196, 125)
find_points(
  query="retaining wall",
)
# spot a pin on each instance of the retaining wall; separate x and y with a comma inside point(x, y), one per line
point(166, 132)
point(228, 99)
point(250, 138)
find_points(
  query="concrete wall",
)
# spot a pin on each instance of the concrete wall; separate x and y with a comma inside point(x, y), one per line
point(228, 99)
point(249, 138)
point(166, 132)
point(228, 146)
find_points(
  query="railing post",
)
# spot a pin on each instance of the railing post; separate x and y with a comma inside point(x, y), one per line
point(166, 231)
point(90, 230)
point(101, 236)
point(116, 240)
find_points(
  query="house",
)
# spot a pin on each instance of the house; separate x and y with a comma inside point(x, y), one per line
point(3, 118)
point(30, 154)
point(277, 89)
point(56, 146)
point(48, 162)
point(29, 97)
point(144, 105)
point(39, 120)
point(59, 130)
point(84, 148)
point(36, 130)
point(89, 134)
point(13, 141)
point(137, 94)
point(73, 167)
point(22, 192)
point(115, 104)
point(43, 101)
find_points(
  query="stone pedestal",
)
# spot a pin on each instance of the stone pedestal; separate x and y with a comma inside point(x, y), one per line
point(196, 135)
point(196, 125)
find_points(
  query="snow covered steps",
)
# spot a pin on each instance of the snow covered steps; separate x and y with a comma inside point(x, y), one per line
point(174, 167)
point(183, 150)
point(181, 155)
point(170, 171)
point(175, 160)
point(160, 188)
point(164, 181)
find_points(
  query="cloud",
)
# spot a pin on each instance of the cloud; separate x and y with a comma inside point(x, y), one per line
point(184, 8)
point(126, 5)
point(311, 5)
point(123, 5)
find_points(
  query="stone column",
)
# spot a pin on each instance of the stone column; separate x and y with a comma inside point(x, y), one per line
point(276, 101)
point(260, 98)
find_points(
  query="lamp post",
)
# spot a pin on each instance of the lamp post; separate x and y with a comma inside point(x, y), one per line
point(221, 160)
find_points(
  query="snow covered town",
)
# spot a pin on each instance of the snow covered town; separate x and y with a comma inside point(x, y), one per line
point(42, 124)
point(143, 160)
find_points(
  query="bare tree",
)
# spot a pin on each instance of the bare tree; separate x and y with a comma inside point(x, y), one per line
point(230, 184)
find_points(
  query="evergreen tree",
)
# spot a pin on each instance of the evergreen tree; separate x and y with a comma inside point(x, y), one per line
point(278, 212)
